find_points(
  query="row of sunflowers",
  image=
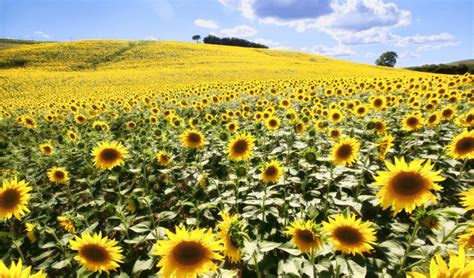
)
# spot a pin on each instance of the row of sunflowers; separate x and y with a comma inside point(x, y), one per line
point(341, 177)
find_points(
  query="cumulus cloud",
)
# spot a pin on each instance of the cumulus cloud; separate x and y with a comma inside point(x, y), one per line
point(205, 23)
point(42, 34)
point(335, 51)
point(239, 31)
point(272, 44)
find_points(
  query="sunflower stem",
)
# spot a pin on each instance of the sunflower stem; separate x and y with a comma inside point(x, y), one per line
point(463, 166)
point(410, 241)
point(12, 230)
point(446, 237)
point(257, 268)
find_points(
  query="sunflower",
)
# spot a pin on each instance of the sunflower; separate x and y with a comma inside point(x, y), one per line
point(67, 224)
point(379, 126)
point(31, 232)
point(14, 196)
point(334, 133)
point(304, 235)
point(335, 115)
point(360, 110)
point(466, 240)
point(192, 139)
point(459, 266)
point(406, 186)
point(272, 123)
point(17, 271)
point(378, 103)
point(29, 122)
point(163, 158)
point(350, 235)
point(462, 146)
point(71, 135)
point(232, 234)
point(97, 253)
point(412, 122)
point(47, 149)
point(345, 152)
point(108, 155)
point(272, 172)
point(80, 119)
point(467, 199)
point(433, 119)
point(385, 145)
point(58, 175)
point(232, 126)
point(240, 147)
point(448, 113)
point(188, 253)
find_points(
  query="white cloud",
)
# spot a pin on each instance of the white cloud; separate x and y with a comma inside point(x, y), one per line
point(205, 23)
point(271, 44)
point(42, 35)
point(336, 51)
point(151, 38)
point(435, 46)
point(370, 55)
point(417, 39)
point(408, 55)
point(239, 31)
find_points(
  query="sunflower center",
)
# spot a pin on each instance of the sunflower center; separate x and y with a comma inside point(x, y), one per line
point(95, 253)
point(432, 119)
point(109, 154)
point(447, 112)
point(305, 236)
point(408, 183)
point(47, 149)
point(361, 110)
point(412, 121)
point(59, 174)
point(194, 138)
point(348, 235)
point(465, 145)
point(271, 171)
point(336, 116)
point(378, 103)
point(344, 151)
point(240, 147)
point(273, 123)
point(9, 199)
point(189, 253)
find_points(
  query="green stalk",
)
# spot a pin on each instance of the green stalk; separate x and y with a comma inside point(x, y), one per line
point(410, 241)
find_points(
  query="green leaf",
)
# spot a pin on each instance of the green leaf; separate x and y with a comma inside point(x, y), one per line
point(266, 246)
point(140, 265)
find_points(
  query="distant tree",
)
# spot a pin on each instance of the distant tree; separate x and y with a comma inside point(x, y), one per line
point(387, 59)
point(210, 39)
point(196, 38)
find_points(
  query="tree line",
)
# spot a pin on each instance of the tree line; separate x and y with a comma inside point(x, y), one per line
point(210, 39)
point(446, 69)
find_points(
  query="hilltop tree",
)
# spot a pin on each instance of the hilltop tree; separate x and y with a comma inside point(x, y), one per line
point(387, 59)
point(196, 38)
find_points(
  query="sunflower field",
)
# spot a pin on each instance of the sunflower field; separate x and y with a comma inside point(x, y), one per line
point(252, 171)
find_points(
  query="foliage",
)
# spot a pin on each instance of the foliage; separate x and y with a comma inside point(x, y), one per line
point(210, 39)
point(387, 59)
point(446, 69)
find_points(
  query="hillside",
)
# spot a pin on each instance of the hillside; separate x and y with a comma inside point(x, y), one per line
point(465, 62)
point(104, 66)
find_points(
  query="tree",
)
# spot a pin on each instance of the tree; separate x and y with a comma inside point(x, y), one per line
point(196, 38)
point(387, 59)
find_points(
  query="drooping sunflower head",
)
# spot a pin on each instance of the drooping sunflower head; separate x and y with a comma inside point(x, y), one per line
point(272, 172)
point(412, 122)
point(67, 224)
point(350, 235)
point(232, 234)
point(407, 185)
point(16, 270)
point(345, 152)
point(58, 175)
point(108, 155)
point(305, 235)
point(240, 147)
point(467, 199)
point(466, 240)
point(462, 146)
point(97, 253)
point(385, 145)
point(379, 126)
point(192, 139)
point(272, 123)
point(30, 232)
point(188, 253)
point(47, 149)
point(14, 197)
point(163, 158)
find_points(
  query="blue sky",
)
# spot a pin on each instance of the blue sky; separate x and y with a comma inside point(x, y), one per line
point(420, 31)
